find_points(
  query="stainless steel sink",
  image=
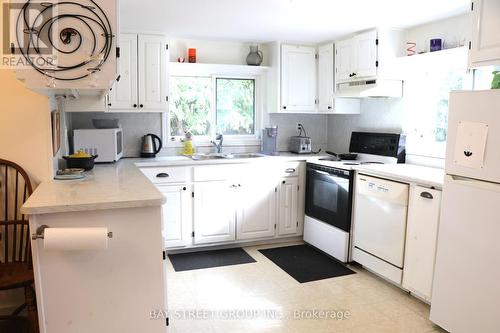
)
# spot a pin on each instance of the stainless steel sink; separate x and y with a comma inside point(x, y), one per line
point(202, 157)
point(207, 157)
point(244, 155)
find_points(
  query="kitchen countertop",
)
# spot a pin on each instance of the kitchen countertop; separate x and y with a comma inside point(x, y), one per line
point(119, 185)
point(107, 186)
point(421, 175)
point(123, 185)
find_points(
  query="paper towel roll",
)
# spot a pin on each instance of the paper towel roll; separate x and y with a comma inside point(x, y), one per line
point(75, 239)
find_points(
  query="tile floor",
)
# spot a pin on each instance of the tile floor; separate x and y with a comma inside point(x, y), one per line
point(260, 297)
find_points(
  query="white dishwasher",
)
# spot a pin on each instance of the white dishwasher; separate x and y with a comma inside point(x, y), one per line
point(380, 213)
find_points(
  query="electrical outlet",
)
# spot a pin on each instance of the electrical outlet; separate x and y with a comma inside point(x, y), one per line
point(299, 126)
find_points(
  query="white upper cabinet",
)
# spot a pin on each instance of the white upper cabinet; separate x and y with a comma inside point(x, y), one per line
point(344, 60)
point(153, 72)
point(356, 57)
point(326, 78)
point(123, 94)
point(485, 43)
point(298, 78)
point(365, 55)
point(143, 73)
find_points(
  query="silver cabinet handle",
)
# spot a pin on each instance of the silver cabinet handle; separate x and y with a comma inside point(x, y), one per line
point(162, 175)
point(426, 195)
point(290, 170)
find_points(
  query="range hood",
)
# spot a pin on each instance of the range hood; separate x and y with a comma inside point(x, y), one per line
point(370, 88)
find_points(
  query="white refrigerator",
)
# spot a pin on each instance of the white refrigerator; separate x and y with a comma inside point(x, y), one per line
point(466, 289)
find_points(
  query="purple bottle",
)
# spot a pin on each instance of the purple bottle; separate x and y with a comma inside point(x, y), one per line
point(436, 44)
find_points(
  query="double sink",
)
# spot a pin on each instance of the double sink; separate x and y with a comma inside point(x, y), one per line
point(218, 156)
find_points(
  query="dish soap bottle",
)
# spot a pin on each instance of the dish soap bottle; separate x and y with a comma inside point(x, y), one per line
point(188, 149)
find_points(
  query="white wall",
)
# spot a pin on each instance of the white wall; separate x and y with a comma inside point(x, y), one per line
point(454, 31)
point(25, 138)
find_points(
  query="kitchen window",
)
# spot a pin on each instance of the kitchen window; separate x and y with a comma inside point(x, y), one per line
point(207, 105)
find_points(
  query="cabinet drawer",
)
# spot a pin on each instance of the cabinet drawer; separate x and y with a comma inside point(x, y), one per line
point(289, 169)
point(166, 175)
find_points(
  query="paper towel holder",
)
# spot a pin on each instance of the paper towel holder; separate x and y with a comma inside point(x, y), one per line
point(40, 233)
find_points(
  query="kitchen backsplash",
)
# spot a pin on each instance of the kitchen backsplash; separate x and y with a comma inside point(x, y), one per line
point(134, 125)
point(377, 115)
point(315, 126)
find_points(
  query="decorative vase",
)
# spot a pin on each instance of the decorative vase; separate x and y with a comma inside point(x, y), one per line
point(255, 56)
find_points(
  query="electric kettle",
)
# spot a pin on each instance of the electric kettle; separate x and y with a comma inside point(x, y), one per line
point(149, 146)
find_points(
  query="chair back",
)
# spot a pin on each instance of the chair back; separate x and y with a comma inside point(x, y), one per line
point(15, 188)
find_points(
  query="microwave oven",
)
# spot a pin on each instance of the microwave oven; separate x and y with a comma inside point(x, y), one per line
point(107, 143)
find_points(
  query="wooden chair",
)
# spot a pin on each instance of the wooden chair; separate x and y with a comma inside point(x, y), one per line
point(16, 269)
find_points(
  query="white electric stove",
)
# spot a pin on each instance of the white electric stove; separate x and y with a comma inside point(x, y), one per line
point(329, 190)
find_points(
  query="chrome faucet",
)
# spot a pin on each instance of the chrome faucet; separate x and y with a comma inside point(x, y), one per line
point(218, 137)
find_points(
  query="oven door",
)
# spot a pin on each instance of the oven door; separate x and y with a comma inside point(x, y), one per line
point(329, 196)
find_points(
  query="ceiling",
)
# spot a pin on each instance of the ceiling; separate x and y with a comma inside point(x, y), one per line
point(287, 20)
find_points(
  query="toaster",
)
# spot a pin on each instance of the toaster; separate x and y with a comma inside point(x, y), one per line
point(300, 145)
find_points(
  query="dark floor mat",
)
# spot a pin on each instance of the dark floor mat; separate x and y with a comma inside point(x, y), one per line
point(305, 263)
point(207, 259)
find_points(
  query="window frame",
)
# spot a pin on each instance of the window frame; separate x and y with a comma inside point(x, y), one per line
point(229, 140)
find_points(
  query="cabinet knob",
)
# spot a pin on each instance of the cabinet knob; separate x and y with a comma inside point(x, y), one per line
point(329, 107)
point(284, 107)
point(109, 104)
point(141, 105)
point(184, 188)
point(135, 105)
point(283, 182)
point(162, 175)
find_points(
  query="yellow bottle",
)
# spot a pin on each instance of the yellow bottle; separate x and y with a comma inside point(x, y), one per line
point(188, 148)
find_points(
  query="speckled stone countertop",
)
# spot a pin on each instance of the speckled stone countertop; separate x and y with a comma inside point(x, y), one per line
point(107, 186)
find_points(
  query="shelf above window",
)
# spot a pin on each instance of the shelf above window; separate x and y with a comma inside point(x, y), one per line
point(200, 69)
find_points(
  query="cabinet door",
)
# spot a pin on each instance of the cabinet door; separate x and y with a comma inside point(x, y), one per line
point(288, 206)
point(421, 240)
point(123, 94)
point(366, 55)
point(214, 212)
point(298, 78)
point(177, 216)
point(326, 84)
point(257, 211)
point(153, 73)
point(485, 43)
point(344, 60)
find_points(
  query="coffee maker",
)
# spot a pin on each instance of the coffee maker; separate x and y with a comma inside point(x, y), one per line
point(270, 140)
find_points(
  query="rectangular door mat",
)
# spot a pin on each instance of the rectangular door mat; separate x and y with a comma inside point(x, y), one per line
point(305, 263)
point(208, 259)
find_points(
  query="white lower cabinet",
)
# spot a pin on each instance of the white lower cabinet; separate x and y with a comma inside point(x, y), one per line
point(214, 212)
point(421, 240)
point(229, 203)
point(256, 215)
point(177, 215)
point(288, 204)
